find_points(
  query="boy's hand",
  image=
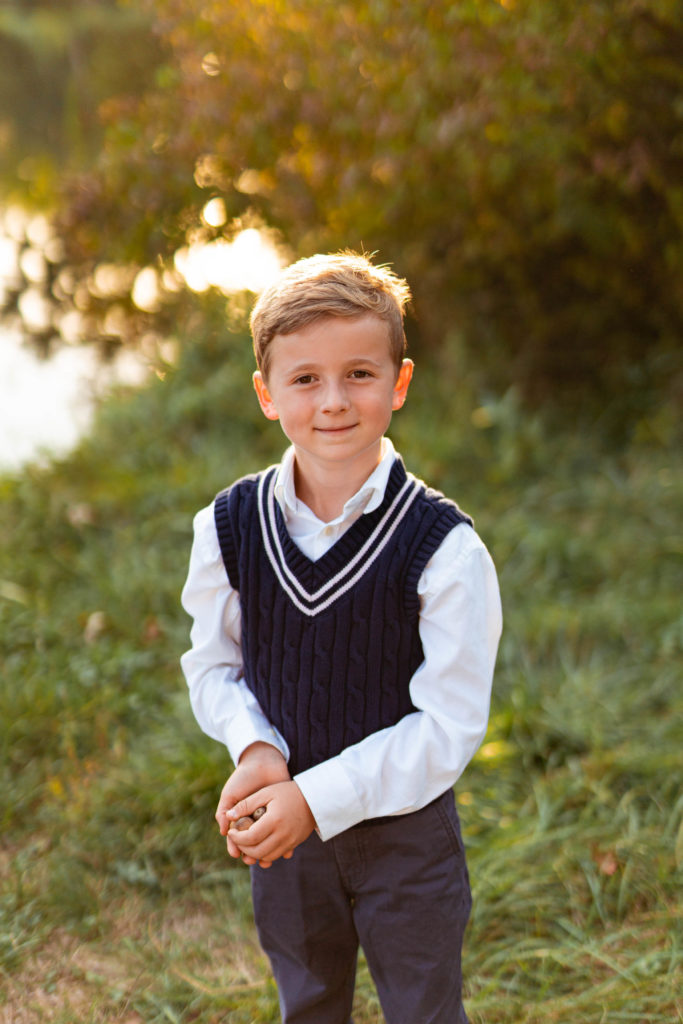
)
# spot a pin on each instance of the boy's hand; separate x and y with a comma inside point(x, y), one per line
point(286, 823)
point(260, 765)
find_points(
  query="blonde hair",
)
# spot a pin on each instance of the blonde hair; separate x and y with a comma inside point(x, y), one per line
point(342, 284)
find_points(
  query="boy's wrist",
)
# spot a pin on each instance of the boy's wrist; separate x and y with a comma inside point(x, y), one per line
point(331, 798)
point(247, 727)
point(260, 750)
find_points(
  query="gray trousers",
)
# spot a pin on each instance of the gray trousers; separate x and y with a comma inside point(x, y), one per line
point(399, 888)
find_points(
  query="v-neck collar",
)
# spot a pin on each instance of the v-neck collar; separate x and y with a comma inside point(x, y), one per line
point(314, 585)
point(370, 495)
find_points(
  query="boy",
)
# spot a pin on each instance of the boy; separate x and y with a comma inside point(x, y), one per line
point(346, 621)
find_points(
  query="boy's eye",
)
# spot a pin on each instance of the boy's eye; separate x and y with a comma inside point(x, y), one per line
point(360, 374)
point(305, 378)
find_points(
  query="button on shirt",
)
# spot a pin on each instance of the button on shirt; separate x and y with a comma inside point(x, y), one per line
point(395, 770)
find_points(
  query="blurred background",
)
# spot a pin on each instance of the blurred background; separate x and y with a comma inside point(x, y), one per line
point(520, 163)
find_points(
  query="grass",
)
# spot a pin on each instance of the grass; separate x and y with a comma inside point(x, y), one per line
point(117, 902)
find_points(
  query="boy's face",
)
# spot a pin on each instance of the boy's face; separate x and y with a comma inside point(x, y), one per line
point(334, 385)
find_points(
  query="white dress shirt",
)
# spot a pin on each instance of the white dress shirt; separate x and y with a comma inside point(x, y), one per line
point(400, 768)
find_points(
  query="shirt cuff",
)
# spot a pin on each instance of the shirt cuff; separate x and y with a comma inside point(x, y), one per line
point(247, 727)
point(332, 798)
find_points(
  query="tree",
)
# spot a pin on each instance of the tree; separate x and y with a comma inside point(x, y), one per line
point(520, 162)
point(58, 64)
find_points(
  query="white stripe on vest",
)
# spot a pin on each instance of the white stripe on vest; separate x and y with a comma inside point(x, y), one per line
point(343, 581)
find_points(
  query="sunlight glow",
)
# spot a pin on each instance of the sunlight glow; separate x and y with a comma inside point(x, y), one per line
point(214, 213)
point(33, 265)
point(46, 405)
point(146, 292)
point(36, 311)
point(9, 259)
point(211, 64)
point(249, 263)
point(110, 280)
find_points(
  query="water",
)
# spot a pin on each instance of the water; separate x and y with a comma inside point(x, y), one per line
point(46, 405)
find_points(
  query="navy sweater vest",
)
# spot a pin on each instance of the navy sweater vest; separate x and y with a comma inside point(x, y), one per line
point(330, 646)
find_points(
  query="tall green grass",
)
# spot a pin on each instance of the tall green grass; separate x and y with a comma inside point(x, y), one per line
point(117, 901)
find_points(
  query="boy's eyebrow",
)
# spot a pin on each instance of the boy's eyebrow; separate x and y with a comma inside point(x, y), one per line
point(309, 366)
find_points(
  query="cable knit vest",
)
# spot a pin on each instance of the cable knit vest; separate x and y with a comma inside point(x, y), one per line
point(330, 646)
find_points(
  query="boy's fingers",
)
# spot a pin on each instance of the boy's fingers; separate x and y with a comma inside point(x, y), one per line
point(223, 819)
point(251, 806)
point(240, 810)
point(228, 812)
point(238, 854)
point(237, 810)
point(222, 809)
point(253, 842)
point(233, 850)
point(265, 850)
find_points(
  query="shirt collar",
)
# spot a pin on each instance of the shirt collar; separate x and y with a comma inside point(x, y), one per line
point(370, 495)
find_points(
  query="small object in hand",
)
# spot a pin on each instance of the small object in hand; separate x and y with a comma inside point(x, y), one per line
point(243, 823)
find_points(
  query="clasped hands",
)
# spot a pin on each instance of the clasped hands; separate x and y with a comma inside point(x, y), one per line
point(261, 779)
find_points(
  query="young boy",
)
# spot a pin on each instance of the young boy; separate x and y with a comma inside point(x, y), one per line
point(346, 622)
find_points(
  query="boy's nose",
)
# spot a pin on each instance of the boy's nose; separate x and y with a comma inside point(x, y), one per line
point(335, 398)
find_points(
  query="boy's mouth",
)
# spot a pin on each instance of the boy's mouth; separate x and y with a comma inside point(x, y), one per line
point(336, 430)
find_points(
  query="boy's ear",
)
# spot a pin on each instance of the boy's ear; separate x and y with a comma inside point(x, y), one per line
point(405, 375)
point(264, 399)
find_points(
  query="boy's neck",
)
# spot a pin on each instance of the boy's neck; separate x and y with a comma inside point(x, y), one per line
point(325, 489)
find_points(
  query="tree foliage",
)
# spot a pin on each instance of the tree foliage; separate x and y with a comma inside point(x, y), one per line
point(58, 63)
point(520, 162)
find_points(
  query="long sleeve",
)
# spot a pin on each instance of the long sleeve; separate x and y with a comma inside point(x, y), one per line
point(402, 768)
point(222, 703)
point(395, 770)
